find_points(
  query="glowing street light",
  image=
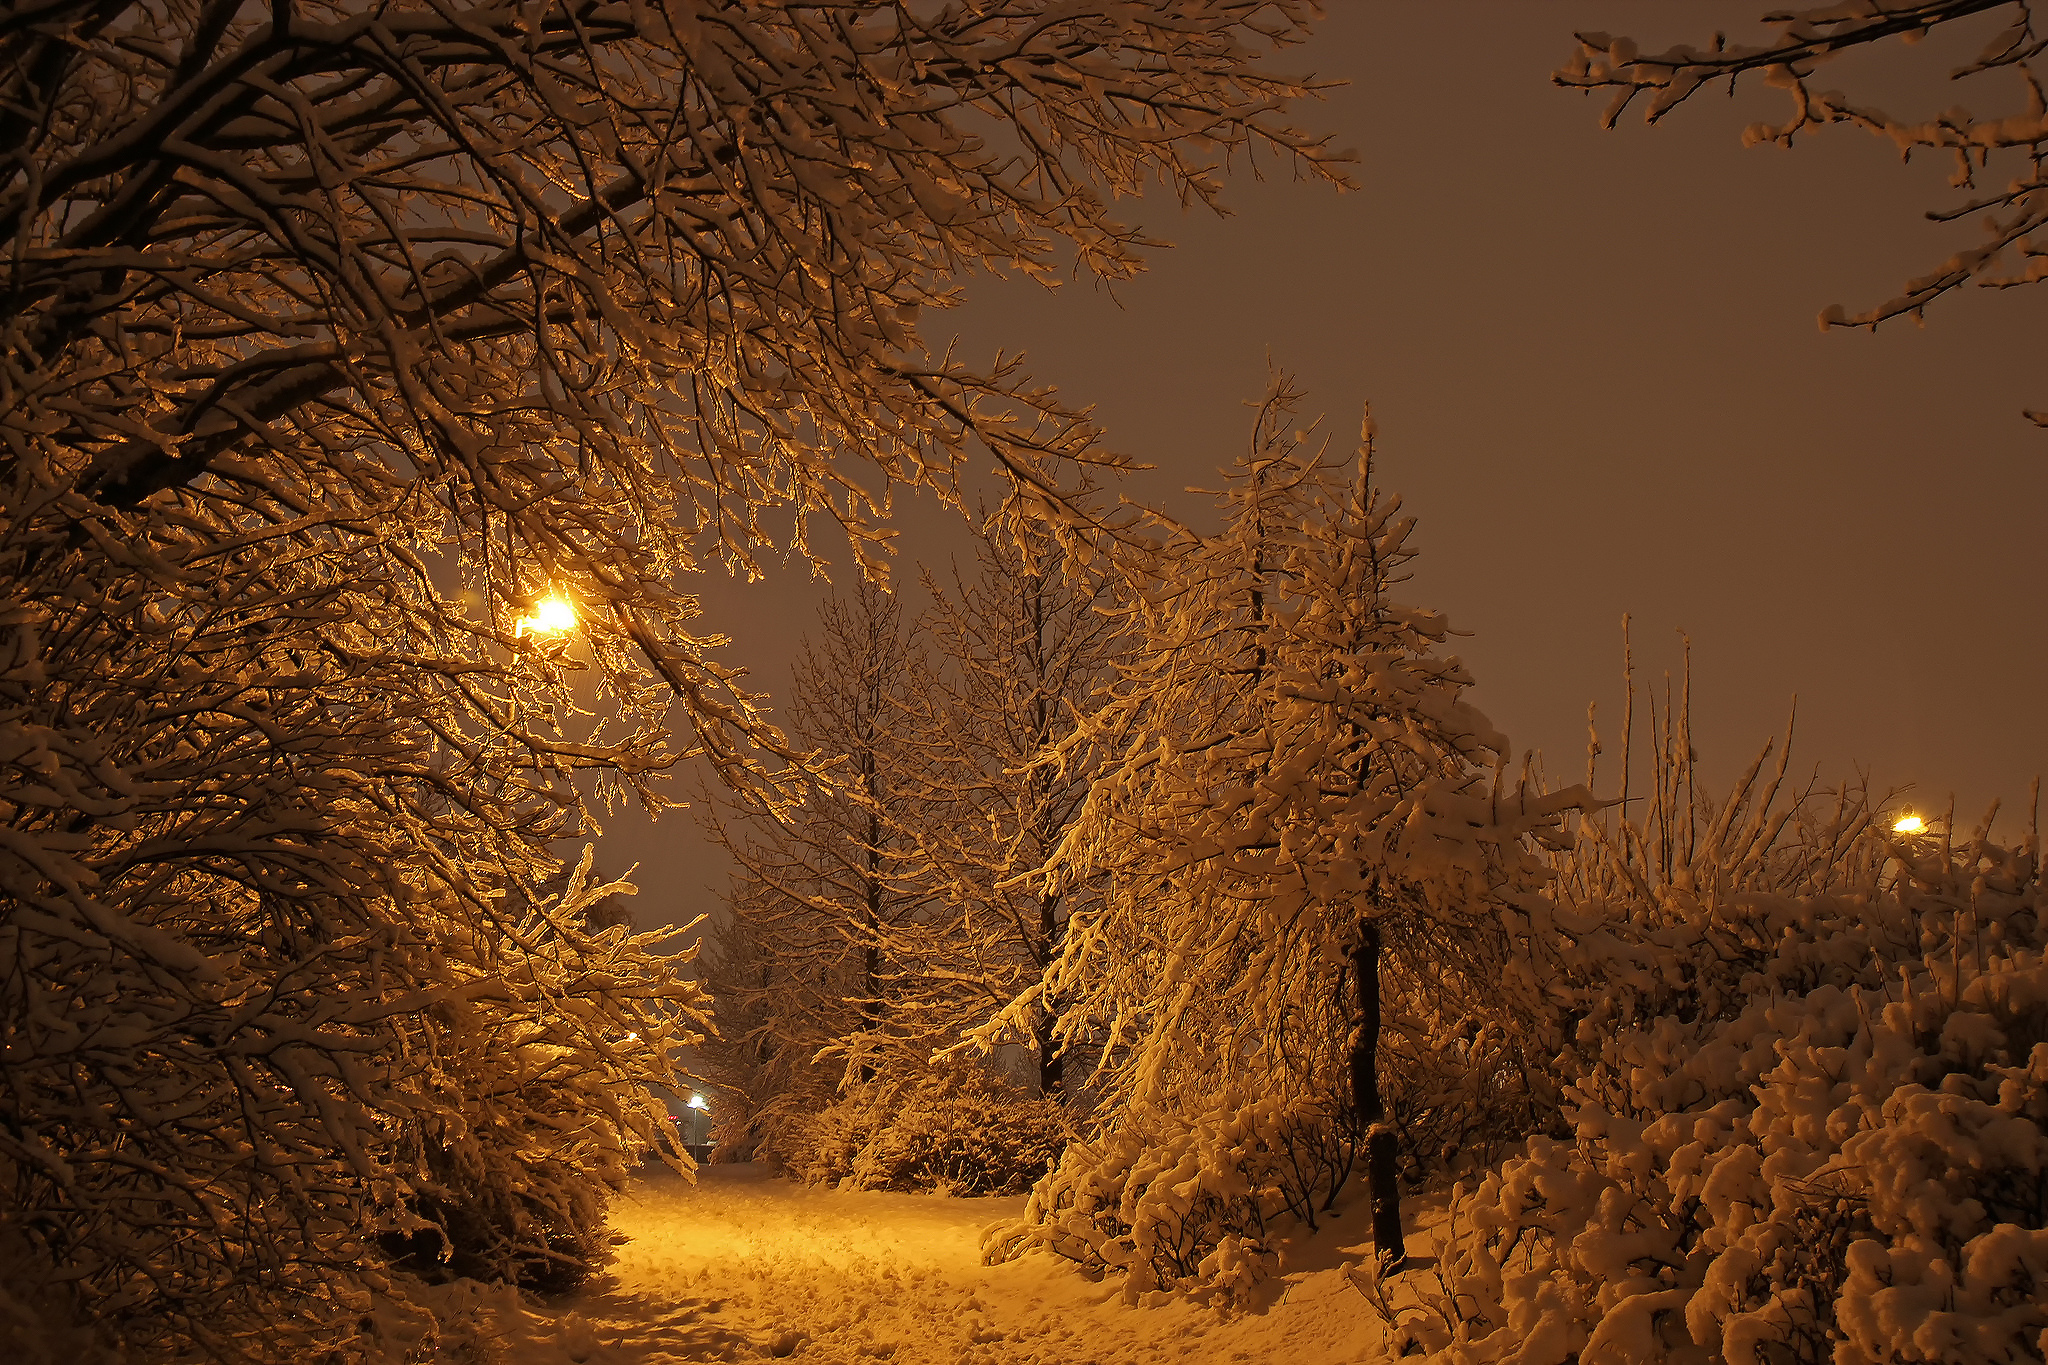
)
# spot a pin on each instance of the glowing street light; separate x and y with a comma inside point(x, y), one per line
point(1909, 823)
point(552, 615)
point(697, 1102)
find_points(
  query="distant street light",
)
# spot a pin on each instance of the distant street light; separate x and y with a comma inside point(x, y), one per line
point(552, 615)
point(697, 1102)
point(1909, 823)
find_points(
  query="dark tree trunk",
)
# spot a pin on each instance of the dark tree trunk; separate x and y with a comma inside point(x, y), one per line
point(1052, 1060)
point(871, 1009)
point(1382, 1149)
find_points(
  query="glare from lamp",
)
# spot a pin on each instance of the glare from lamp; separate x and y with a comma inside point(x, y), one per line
point(697, 1102)
point(1909, 823)
point(552, 615)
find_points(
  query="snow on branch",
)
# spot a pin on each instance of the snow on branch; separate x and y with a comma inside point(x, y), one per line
point(2011, 214)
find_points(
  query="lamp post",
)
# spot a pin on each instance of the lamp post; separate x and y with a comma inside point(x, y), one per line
point(700, 1120)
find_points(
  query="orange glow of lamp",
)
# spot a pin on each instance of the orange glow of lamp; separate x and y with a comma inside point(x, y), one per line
point(1909, 823)
point(552, 615)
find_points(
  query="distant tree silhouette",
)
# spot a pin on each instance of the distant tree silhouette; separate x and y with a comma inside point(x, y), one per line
point(1017, 654)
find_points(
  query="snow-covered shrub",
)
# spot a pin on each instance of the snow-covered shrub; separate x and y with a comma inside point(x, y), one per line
point(1158, 1192)
point(1850, 1167)
point(1464, 1076)
point(958, 1130)
point(1692, 912)
point(261, 965)
point(553, 1054)
point(1177, 1201)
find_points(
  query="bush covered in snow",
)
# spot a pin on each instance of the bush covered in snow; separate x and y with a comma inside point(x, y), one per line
point(270, 986)
point(959, 1130)
point(1810, 1128)
point(1192, 1202)
point(1178, 1201)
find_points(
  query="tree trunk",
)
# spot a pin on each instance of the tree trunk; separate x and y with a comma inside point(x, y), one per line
point(871, 1009)
point(1052, 1060)
point(1381, 1146)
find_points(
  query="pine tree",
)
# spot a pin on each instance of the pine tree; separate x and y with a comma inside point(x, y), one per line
point(1301, 788)
point(1017, 655)
point(827, 910)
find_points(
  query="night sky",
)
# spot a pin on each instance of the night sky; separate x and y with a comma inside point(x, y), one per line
point(1599, 385)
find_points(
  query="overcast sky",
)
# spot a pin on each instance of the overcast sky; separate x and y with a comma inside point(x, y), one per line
point(1600, 386)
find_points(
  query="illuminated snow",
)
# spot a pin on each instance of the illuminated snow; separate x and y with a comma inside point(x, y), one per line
point(748, 1267)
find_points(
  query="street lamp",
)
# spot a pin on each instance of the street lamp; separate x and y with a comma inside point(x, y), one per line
point(699, 1131)
point(1909, 823)
point(552, 615)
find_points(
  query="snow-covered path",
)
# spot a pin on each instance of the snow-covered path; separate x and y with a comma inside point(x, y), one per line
point(744, 1267)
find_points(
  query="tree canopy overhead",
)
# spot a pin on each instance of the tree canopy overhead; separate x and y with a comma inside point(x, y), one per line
point(334, 337)
point(673, 253)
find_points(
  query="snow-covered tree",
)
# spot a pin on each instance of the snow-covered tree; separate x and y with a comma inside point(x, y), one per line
point(757, 972)
point(336, 338)
point(1301, 787)
point(2011, 209)
point(871, 928)
point(282, 979)
point(1016, 655)
point(583, 262)
point(828, 903)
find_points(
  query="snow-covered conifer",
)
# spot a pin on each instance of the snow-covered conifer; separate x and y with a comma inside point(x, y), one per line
point(1016, 656)
point(1301, 786)
point(828, 909)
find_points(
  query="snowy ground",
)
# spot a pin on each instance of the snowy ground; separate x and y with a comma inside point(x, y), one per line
point(746, 1267)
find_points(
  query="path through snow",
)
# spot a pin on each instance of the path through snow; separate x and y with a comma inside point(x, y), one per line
point(745, 1267)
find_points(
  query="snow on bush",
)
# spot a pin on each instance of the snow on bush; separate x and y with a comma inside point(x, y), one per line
point(264, 995)
point(1845, 1159)
point(1190, 1203)
point(960, 1130)
point(1186, 1202)
point(554, 1050)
